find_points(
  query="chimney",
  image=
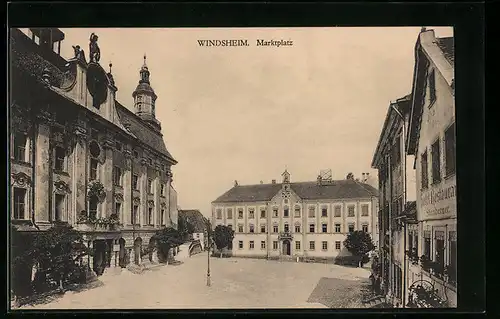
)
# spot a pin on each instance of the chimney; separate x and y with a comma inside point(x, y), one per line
point(273, 181)
point(235, 183)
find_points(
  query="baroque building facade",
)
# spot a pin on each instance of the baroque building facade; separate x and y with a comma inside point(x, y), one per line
point(296, 219)
point(80, 157)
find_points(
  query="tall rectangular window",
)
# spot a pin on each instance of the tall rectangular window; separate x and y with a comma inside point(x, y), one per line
point(324, 245)
point(427, 244)
point(297, 245)
point(364, 210)
point(452, 258)
point(262, 244)
point(439, 250)
point(150, 186)
point(275, 228)
point(297, 228)
point(219, 214)
point(432, 87)
point(135, 182)
point(285, 212)
point(240, 228)
point(275, 212)
point(60, 158)
point(251, 213)
point(229, 213)
point(450, 146)
point(350, 211)
point(351, 228)
point(311, 228)
point(118, 146)
point(324, 212)
point(324, 228)
point(425, 170)
point(58, 207)
point(436, 162)
point(262, 213)
point(262, 228)
point(364, 227)
point(240, 244)
point(252, 245)
point(19, 203)
point(162, 189)
point(252, 228)
point(337, 245)
point(286, 228)
point(312, 212)
point(337, 228)
point(275, 245)
point(162, 217)
point(312, 245)
point(118, 208)
point(150, 215)
point(240, 213)
point(135, 212)
point(20, 140)
point(117, 178)
point(337, 212)
point(297, 212)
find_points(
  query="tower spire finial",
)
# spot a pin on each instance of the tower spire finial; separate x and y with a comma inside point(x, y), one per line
point(144, 58)
point(110, 66)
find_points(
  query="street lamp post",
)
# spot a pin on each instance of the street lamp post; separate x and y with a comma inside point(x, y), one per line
point(209, 241)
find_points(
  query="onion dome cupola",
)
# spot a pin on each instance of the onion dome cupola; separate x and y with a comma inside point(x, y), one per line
point(145, 98)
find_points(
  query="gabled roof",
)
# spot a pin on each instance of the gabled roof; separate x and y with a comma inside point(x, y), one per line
point(196, 219)
point(142, 130)
point(339, 189)
point(447, 45)
point(439, 51)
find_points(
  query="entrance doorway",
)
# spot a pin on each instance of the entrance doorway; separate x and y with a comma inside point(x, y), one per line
point(137, 250)
point(122, 254)
point(99, 256)
point(286, 247)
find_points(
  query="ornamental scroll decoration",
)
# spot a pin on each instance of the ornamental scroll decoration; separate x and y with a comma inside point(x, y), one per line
point(21, 179)
point(62, 187)
point(119, 197)
point(151, 203)
point(137, 200)
point(163, 205)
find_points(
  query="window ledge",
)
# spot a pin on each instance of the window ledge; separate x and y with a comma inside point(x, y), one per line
point(23, 163)
point(118, 186)
point(450, 175)
point(61, 172)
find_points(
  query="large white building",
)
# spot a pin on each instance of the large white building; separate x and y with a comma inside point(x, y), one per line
point(296, 219)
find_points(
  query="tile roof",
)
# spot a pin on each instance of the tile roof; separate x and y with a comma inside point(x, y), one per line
point(339, 189)
point(142, 130)
point(196, 218)
point(447, 45)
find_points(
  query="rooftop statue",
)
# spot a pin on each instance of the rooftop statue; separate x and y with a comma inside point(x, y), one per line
point(95, 52)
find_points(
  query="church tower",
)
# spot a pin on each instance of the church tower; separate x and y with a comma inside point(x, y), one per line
point(145, 99)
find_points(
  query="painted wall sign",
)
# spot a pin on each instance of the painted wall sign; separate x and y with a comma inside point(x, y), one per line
point(439, 201)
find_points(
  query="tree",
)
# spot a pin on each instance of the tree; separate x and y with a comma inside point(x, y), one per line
point(350, 176)
point(223, 236)
point(56, 253)
point(166, 239)
point(359, 243)
point(184, 226)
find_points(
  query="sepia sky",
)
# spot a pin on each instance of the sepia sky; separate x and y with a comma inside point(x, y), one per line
point(247, 113)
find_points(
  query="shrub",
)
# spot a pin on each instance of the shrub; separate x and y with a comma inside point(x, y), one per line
point(347, 260)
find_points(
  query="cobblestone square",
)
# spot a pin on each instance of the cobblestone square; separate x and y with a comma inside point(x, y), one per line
point(236, 283)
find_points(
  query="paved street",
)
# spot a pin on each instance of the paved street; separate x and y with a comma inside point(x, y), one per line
point(236, 283)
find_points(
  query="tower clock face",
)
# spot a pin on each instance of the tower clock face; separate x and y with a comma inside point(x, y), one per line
point(97, 84)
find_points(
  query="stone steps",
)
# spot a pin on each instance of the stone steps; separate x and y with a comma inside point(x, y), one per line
point(374, 301)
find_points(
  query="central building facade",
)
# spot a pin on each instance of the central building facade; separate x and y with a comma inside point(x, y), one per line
point(304, 219)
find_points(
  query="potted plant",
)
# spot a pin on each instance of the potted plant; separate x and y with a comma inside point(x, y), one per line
point(96, 189)
point(114, 220)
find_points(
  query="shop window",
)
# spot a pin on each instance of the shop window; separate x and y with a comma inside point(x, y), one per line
point(439, 252)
